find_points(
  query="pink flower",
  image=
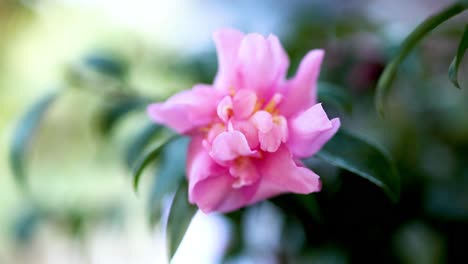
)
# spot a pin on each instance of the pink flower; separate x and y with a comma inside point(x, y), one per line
point(250, 128)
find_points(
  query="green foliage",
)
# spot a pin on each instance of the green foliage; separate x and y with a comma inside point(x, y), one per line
point(389, 73)
point(146, 159)
point(453, 69)
point(170, 173)
point(24, 133)
point(336, 96)
point(115, 110)
point(107, 65)
point(362, 158)
point(139, 142)
point(180, 216)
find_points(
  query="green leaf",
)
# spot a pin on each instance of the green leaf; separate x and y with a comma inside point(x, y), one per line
point(389, 73)
point(453, 69)
point(169, 175)
point(26, 224)
point(140, 141)
point(146, 159)
point(362, 158)
point(106, 64)
point(180, 216)
point(23, 134)
point(336, 96)
point(115, 110)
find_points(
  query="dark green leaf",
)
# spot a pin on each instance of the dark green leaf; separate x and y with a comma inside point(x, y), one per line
point(180, 216)
point(24, 133)
point(169, 175)
point(146, 159)
point(140, 141)
point(362, 158)
point(115, 110)
point(336, 96)
point(389, 73)
point(453, 69)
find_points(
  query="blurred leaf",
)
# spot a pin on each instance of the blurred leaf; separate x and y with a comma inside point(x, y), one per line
point(453, 69)
point(114, 111)
point(180, 216)
point(304, 207)
point(146, 159)
point(26, 224)
point(24, 133)
point(336, 96)
point(139, 142)
point(107, 65)
point(389, 73)
point(170, 173)
point(360, 157)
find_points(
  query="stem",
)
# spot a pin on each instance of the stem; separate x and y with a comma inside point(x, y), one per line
point(408, 45)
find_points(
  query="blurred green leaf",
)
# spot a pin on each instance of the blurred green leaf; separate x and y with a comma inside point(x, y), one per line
point(107, 65)
point(453, 69)
point(362, 158)
point(26, 224)
point(146, 159)
point(170, 173)
point(117, 109)
point(140, 141)
point(23, 134)
point(336, 96)
point(386, 79)
point(180, 216)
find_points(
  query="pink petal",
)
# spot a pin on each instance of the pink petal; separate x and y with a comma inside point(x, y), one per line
point(279, 55)
point(244, 103)
point(310, 130)
point(250, 132)
point(301, 91)
point(260, 64)
point(324, 137)
point(200, 166)
point(186, 110)
point(227, 43)
point(282, 123)
point(263, 121)
point(271, 140)
point(209, 194)
point(245, 172)
point(224, 109)
point(280, 174)
point(216, 194)
point(228, 146)
point(210, 185)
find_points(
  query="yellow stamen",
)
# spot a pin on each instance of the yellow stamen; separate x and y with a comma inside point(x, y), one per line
point(270, 107)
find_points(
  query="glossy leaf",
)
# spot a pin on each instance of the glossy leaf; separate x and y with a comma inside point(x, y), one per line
point(146, 159)
point(24, 133)
point(180, 216)
point(170, 173)
point(386, 79)
point(336, 96)
point(453, 69)
point(139, 142)
point(362, 158)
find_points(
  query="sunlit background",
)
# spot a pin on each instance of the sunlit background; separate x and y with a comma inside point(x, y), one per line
point(77, 175)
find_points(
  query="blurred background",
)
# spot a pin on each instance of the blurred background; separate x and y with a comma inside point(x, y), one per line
point(90, 67)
